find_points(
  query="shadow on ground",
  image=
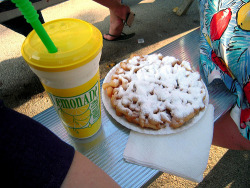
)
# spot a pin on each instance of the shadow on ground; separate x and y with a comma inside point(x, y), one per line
point(232, 170)
point(19, 83)
point(154, 22)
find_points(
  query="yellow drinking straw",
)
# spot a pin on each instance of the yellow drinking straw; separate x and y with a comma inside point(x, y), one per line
point(31, 16)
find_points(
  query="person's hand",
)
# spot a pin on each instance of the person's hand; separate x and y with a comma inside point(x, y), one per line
point(121, 11)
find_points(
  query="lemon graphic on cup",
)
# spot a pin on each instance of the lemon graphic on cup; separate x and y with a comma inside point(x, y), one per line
point(77, 118)
point(243, 17)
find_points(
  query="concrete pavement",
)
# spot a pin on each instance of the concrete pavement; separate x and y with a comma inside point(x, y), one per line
point(19, 84)
point(157, 25)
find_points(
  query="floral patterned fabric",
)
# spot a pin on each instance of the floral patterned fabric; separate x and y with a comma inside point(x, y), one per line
point(225, 51)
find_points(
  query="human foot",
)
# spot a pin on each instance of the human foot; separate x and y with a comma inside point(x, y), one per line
point(118, 17)
point(115, 29)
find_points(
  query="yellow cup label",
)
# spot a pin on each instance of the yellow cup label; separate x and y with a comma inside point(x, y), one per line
point(80, 112)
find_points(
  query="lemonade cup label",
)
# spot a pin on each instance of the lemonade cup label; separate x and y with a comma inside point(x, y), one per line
point(71, 75)
point(79, 108)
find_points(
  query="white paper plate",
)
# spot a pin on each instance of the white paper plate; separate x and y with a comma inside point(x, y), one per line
point(122, 120)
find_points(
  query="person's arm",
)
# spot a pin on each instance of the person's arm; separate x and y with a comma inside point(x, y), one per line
point(84, 173)
point(33, 156)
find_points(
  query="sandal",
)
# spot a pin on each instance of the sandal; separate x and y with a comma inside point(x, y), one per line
point(130, 18)
point(123, 36)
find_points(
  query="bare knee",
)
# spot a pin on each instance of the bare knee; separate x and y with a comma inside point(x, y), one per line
point(227, 135)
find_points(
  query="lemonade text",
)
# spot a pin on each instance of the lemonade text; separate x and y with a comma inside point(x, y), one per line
point(78, 101)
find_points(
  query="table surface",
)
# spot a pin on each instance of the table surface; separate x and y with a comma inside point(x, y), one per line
point(106, 147)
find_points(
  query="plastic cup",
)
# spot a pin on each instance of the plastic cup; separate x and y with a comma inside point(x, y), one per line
point(71, 75)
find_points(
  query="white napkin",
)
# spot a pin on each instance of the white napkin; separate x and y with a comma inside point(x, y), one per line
point(184, 154)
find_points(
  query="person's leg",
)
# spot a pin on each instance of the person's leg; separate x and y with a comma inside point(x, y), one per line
point(116, 26)
point(20, 25)
point(118, 14)
point(227, 135)
point(116, 7)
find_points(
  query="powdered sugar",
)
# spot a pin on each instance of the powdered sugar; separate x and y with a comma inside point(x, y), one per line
point(160, 88)
point(159, 83)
